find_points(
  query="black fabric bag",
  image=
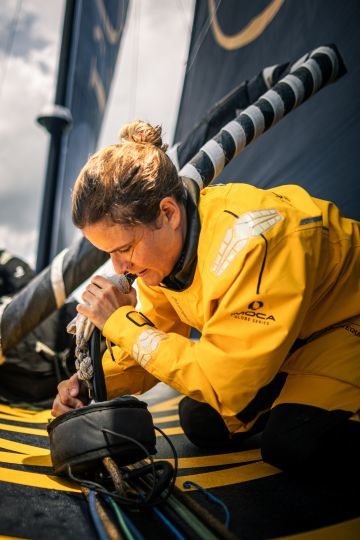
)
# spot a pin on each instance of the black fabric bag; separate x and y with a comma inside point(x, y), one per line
point(79, 439)
point(33, 369)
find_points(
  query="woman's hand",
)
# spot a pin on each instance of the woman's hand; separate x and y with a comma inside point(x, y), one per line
point(72, 394)
point(102, 298)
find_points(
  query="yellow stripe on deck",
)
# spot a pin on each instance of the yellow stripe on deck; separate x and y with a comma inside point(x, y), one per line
point(163, 419)
point(37, 416)
point(21, 429)
point(218, 459)
point(41, 460)
point(176, 430)
point(168, 405)
point(37, 480)
point(22, 448)
point(228, 477)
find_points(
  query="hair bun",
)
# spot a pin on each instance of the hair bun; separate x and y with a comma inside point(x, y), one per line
point(142, 132)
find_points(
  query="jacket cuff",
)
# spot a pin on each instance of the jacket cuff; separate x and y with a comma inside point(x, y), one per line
point(124, 326)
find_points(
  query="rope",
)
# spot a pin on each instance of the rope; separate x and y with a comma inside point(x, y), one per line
point(188, 484)
point(201, 513)
point(116, 476)
point(99, 526)
point(135, 503)
point(83, 362)
point(111, 531)
point(162, 516)
point(148, 498)
point(125, 524)
point(169, 525)
point(200, 529)
point(83, 328)
point(183, 513)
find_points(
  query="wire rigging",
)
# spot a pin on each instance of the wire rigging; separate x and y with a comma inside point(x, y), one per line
point(201, 37)
point(135, 63)
point(10, 42)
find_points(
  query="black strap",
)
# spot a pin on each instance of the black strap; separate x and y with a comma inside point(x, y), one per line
point(98, 378)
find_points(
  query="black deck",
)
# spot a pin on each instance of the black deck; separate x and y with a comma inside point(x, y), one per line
point(263, 502)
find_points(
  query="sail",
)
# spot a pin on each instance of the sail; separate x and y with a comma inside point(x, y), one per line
point(315, 146)
point(90, 45)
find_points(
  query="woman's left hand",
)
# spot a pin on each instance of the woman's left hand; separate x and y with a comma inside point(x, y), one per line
point(102, 298)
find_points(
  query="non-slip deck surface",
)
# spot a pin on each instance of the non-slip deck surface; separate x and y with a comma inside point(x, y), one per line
point(263, 502)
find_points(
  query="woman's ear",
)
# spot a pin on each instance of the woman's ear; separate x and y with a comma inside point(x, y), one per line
point(171, 211)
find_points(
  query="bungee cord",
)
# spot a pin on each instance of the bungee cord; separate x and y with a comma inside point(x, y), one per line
point(320, 67)
point(95, 515)
point(189, 483)
point(124, 522)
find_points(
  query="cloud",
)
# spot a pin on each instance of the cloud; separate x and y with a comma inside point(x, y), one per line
point(26, 36)
point(24, 144)
point(158, 43)
point(36, 25)
point(28, 86)
point(20, 243)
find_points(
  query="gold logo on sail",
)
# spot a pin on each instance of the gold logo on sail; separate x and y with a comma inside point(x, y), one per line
point(251, 31)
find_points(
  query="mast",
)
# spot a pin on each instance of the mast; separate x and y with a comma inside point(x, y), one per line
point(56, 119)
point(91, 40)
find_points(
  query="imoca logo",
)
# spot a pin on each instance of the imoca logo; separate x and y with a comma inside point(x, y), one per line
point(254, 313)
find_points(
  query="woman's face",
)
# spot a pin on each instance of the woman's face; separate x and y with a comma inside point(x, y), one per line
point(150, 252)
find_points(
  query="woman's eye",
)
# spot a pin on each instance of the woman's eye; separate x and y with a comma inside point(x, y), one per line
point(125, 250)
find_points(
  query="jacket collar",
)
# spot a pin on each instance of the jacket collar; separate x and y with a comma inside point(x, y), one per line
point(183, 272)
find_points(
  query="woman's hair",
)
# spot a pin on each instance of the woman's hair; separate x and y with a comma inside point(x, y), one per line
point(125, 182)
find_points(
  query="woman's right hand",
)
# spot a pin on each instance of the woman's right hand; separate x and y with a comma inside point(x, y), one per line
point(72, 394)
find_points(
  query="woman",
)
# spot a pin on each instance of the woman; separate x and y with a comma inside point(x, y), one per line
point(269, 278)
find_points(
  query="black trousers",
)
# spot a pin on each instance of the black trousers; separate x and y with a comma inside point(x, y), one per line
point(294, 437)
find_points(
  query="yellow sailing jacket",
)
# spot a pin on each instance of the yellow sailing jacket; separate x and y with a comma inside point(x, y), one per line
point(273, 266)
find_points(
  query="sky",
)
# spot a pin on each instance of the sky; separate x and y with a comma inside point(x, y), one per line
point(30, 33)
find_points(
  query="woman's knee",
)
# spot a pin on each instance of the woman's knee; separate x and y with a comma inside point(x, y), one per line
point(202, 424)
point(301, 437)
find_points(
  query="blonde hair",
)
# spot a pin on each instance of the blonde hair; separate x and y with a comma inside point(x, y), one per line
point(126, 182)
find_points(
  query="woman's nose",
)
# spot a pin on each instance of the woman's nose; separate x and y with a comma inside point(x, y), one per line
point(119, 263)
